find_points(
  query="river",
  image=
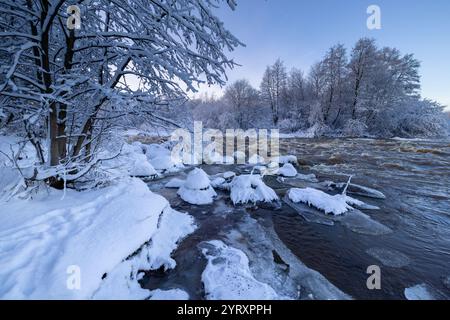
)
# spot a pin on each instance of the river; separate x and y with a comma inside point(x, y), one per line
point(414, 176)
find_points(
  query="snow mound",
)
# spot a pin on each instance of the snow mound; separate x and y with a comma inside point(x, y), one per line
point(141, 167)
point(335, 205)
point(227, 275)
point(165, 163)
point(251, 188)
point(288, 159)
point(46, 240)
point(197, 188)
point(228, 175)
point(256, 159)
point(287, 170)
point(121, 283)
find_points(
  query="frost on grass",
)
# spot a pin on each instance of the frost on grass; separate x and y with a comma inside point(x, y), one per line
point(43, 237)
point(197, 188)
point(335, 205)
point(251, 188)
point(227, 275)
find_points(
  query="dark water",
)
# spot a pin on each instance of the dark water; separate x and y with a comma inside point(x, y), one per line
point(414, 176)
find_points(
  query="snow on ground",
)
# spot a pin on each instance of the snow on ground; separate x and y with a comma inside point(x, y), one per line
point(335, 205)
point(227, 275)
point(251, 188)
point(287, 170)
point(57, 232)
point(197, 188)
point(121, 282)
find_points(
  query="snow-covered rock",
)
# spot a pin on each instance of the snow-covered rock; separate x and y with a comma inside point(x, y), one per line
point(228, 175)
point(218, 182)
point(166, 163)
point(287, 170)
point(141, 167)
point(47, 242)
point(256, 159)
point(227, 275)
point(197, 188)
point(251, 188)
point(335, 205)
point(288, 159)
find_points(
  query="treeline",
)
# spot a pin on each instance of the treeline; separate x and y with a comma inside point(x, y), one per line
point(369, 91)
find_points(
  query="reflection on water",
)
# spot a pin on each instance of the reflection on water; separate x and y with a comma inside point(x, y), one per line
point(415, 177)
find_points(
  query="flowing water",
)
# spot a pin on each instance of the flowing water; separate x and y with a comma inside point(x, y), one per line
point(414, 175)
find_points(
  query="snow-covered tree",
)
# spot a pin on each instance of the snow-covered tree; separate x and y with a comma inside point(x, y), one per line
point(127, 58)
point(243, 100)
point(273, 88)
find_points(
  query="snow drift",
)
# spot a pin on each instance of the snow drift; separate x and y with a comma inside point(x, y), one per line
point(94, 232)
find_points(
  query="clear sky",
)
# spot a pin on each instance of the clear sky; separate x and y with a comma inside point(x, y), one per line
point(300, 31)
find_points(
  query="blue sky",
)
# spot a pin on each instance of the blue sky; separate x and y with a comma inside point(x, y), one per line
point(300, 31)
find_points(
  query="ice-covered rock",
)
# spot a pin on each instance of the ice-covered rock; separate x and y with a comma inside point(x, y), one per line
point(197, 188)
point(251, 188)
point(335, 205)
point(287, 170)
point(218, 182)
point(355, 189)
point(227, 275)
point(419, 292)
